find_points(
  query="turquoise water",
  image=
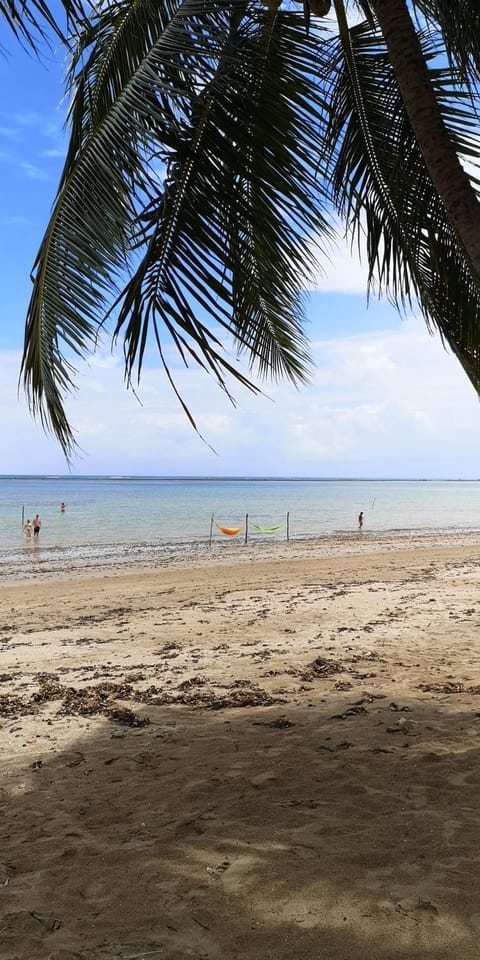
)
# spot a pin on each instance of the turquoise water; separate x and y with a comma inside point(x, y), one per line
point(122, 512)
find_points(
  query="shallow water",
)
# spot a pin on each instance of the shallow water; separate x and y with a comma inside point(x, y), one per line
point(124, 520)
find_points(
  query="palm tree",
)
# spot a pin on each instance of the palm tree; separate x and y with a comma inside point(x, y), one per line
point(213, 141)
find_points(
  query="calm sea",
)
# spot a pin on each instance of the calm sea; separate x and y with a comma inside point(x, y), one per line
point(112, 516)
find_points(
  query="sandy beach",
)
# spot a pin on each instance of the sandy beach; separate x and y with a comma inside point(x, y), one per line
point(264, 755)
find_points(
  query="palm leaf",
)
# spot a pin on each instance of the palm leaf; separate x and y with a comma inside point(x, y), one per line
point(218, 246)
point(34, 19)
point(384, 191)
point(458, 22)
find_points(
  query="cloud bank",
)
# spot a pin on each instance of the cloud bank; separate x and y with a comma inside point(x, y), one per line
point(391, 404)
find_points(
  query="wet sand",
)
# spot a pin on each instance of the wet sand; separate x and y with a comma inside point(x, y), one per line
point(256, 756)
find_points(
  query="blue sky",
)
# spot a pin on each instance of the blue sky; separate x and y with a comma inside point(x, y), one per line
point(385, 398)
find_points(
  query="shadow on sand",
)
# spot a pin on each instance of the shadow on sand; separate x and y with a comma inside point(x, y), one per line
point(260, 834)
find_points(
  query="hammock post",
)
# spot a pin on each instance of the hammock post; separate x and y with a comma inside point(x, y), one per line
point(246, 528)
point(288, 525)
point(211, 530)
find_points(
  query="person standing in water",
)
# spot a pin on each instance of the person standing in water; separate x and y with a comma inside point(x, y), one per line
point(27, 528)
point(37, 523)
point(360, 520)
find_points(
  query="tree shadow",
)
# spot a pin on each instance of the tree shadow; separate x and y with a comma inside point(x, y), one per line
point(266, 833)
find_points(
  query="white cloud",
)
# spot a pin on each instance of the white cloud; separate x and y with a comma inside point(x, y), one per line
point(26, 118)
point(10, 133)
point(32, 171)
point(30, 137)
point(391, 404)
point(341, 269)
point(55, 152)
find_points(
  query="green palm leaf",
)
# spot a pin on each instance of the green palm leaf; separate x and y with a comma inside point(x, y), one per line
point(216, 247)
point(384, 191)
point(34, 19)
point(208, 140)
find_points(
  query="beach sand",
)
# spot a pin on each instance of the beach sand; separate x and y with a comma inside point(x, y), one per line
point(269, 755)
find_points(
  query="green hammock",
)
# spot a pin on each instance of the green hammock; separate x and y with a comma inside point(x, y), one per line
point(267, 529)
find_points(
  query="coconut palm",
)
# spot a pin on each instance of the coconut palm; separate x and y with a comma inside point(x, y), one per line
point(212, 146)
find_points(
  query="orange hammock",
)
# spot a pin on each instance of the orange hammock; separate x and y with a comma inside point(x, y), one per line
point(228, 531)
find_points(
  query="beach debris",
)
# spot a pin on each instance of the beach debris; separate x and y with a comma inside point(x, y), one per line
point(369, 655)
point(343, 685)
point(215, 873)
point(396, 709)
point(404, 726)
point(281, 723)
point(169, 651)
point(126, 716)
point(192, 682)
point(279, 673)
point(320, 667)
point(103, 698)
point(94, 699)
point(12, 706)
point(351, 712)
point(449, 687)
point(253, 697)
point(370, 698)
point(48, 690)
point(242, 693)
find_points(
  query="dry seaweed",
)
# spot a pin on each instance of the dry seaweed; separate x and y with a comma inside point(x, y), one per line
point(320, 668)
point(11, 706)
point(448, 687)
point(126, 716)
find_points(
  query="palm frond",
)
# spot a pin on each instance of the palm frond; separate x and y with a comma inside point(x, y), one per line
point(384, 191)
point(458, 22)
point(31, 20)
point(218, 244)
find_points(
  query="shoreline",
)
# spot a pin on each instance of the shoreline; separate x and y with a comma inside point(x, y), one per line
point(41, 563)
point(261, 754)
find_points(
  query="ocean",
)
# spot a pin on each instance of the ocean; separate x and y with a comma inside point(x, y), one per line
point(113, 517)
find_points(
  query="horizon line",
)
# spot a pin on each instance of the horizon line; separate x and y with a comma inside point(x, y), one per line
point(235, 478)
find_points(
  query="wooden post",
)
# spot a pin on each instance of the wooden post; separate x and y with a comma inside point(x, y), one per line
point(246, 528)
point(288, 525)
point(211, 529)
point(23, 517)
